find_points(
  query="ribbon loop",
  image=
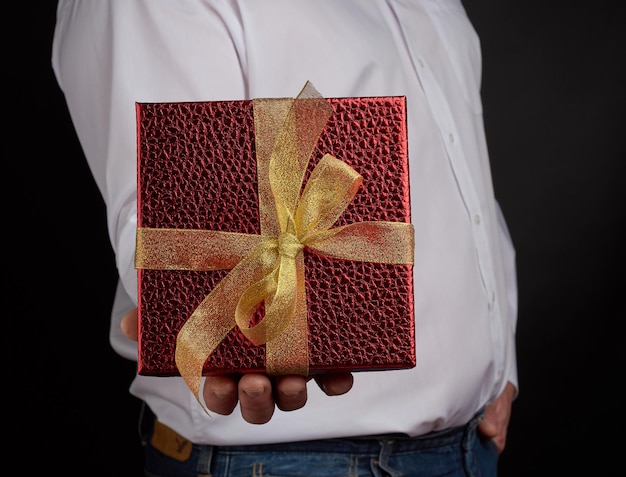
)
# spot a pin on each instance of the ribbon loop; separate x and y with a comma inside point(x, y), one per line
point(327, 193)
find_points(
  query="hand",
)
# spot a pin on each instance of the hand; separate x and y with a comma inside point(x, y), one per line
point(258, 394)
point(495, 422)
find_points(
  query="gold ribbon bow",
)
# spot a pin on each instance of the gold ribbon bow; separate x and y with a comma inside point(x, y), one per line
point(269, 268)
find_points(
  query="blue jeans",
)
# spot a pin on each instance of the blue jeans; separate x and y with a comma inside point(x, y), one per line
point(457, 452)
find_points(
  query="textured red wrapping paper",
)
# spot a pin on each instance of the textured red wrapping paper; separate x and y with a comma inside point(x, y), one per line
point(197, 170)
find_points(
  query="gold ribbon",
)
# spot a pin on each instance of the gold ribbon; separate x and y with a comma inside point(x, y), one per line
point(269, 268)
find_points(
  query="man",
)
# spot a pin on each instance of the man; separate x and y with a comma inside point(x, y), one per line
point(109, 55)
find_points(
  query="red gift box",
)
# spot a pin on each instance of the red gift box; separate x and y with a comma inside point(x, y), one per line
point(204, 193)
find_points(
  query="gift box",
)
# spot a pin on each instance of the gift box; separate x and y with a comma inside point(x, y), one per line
point(274, 236)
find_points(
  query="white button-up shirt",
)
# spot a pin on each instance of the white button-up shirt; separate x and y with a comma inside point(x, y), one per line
point(109, 55)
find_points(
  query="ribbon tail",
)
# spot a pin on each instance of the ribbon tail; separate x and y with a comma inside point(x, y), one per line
point(250, 300)
point(283, 328)
point(287, 353)
point(197, 339)
point(213, 319)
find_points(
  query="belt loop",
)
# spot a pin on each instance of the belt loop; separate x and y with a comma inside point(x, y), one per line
point(469, 433)
point(386, 448)
point(469, 436)
point(145, 423)
point(205, 459)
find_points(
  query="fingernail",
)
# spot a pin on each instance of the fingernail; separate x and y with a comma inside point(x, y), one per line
point(221, 394)
point(219, 390)
point(291, 393)
point(254, 392)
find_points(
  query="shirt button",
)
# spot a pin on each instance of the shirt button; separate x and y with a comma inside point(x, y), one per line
point(477, 219)
point(451, 138)
point(421, 63)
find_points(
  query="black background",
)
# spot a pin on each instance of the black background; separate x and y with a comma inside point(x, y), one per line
point(554, 101)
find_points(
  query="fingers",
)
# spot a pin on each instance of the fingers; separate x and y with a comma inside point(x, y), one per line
point(495, 422)
point(220, 394)
point(290, 392)
point(129, 325)
point(490, 428)
point(488, 424)
point(335, 384)
point(256, 393)
point(256, 398)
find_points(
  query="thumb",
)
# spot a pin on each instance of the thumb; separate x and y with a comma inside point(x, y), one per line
point(488, 425)
point(129, 325)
